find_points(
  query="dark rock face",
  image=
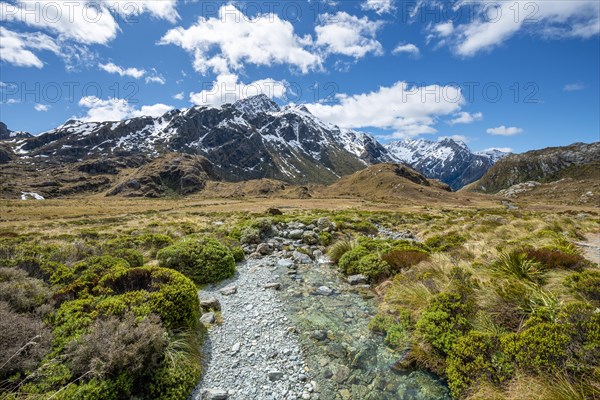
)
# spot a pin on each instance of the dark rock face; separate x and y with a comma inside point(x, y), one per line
point(449, 161)
point(173, 173)
point(543, 165)
point(250, 139)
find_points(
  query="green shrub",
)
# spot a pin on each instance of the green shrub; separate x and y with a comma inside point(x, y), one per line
point(586, 283)
point(133, 257)
point(543, 347)
point(398, 337)
point(475, 358)
point(174, 382)
point(203, 260)
point(348, 263)
point(373, 266)
point(445, 243)
point(20, 291)
point(445, 320)
point(325, 238)
point(250, 235)
point(238, 254)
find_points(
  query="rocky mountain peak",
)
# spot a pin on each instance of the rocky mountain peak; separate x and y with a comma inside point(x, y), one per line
point(256, 104)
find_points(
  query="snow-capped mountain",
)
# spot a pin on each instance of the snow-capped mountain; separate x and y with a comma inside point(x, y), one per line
point(448, 160)
point(250, 139)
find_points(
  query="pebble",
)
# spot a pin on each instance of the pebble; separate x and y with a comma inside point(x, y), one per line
point(228, 291)
point(208, 318)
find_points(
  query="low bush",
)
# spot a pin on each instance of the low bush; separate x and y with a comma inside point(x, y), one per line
point(20, 291)
point(445, 243)
point(117, 346)
point(445, 320)
point(203, 260)
point(325, 238)
point(24, 340)
point(404, 259)
point(133, 257)
point(586, 283)
point(250, 235)
point(554, 258)
point(373, 267)
point(348, 262)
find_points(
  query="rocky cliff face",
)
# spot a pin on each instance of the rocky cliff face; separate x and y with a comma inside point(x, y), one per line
point(544, 165)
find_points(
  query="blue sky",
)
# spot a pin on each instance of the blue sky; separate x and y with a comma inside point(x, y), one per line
point(511, 74)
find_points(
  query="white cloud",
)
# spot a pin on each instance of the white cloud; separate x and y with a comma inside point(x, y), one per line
point(504, 131)
point(444, 29)
point(113, 109)
point(379, 6)
point(228, 89)
point(15, 47)
point(112, 68)
point(179, 96)
point(224, 43)
point(41, 107)
point(493, 22)
point(409, 110)
point(573, 87)
point(156, 79)
point(348, 35)
point(72, 24)
point(408, 48)
point(464, 117)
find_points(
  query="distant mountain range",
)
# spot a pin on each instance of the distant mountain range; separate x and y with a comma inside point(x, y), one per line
point(450, 161)
point(253, 138)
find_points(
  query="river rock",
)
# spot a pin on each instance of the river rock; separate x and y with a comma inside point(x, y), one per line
point(285, 263)
point(357, 279)
point(273, 285)
point(310, 238)
point(208, 318)
point(301, 258)
point(264, 249)
point(214, 394)
point(275, 375)
point(296, 234)
point(324, 291)
point(228, 291)
point(209, 304)
point(325, 224)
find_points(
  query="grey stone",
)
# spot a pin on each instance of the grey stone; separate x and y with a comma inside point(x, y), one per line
point(264, 249)
point(357, 279)
point(214, 394)
point(235, 348)
point(275, 375)
point(310, 238)
point(301, 258)
point(208, 318)
point(285, 263)
point(228, 291)
point(210, 304)
point(324, 291)
point(319, 335)
point(296, 234)
point(273, 285)
point(324, 223)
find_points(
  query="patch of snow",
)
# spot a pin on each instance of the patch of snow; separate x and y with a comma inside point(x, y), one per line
point(31, 195)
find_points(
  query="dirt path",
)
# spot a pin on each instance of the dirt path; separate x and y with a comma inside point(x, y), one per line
point(591, 247)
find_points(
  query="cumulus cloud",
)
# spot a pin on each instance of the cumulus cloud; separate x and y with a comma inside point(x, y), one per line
point(179, 96)
point(227, 89)
point(504, 131)
point(502, 149)
point(494, 22)
point(379, 6)
point(573, 87)
point(224, 43)
point(156, 79)
point(406, 109)
point(464, 117)
point(15, 48)
point(114, 109)
point(348, 35)
point(456, 138)
point(71, 23)
point(112, 68)
point(407, 48)
point(41, 107)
